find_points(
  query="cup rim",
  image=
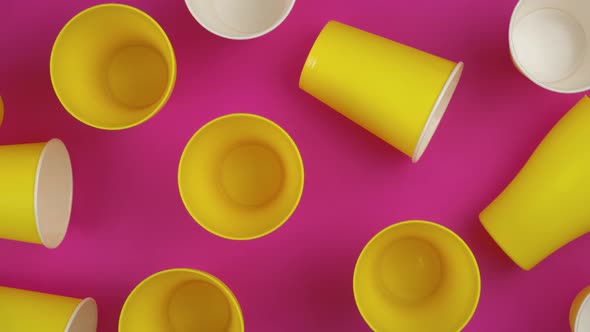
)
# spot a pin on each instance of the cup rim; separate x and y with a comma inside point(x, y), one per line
point(459, 241)
point(230, 296)
point(585, 302)
point(522, 69)
point(246, 37)
point(171, 75)
point(185, 152)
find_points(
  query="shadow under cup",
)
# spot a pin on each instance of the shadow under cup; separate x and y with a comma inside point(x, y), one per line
point(181, 300)
point(113, 67)
point(416, 276)
point(241, 176)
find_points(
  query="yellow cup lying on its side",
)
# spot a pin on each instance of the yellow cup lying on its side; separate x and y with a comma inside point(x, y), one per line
point(416, 276)
point(241, 176)
point(25, 311)
point(396, 92)
point(579, 316)
point(112, 67)
point(546, 205)
point(1, 111)
point(181, 300)
point(35, 192)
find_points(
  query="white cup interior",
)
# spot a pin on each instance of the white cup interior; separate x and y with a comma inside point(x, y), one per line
point(550, 43)
point(84, 318)
point(240, 19)
point(583, 317)
point(53, 193)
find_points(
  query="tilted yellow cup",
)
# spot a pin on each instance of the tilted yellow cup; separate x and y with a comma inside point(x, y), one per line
point(181, 300)
point(26, 311)
point(416, 276)
point(241, 176)
point(35, 192)
point(396, 92)
point(546, 205)
point(112, 67)
point(579, 316)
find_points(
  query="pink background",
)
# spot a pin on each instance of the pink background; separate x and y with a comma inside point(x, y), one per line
point(128, 220)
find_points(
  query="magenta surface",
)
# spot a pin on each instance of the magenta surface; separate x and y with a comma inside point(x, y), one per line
point(128, 219)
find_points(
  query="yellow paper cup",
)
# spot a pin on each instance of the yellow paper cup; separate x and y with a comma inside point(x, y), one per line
point(416, 276)
point(580, 312)
point(112, 67)
point(239, 19)
point(396, 92)
point(35, 192)
point(549, 43)
point(241, 176)
point(26, 311)
point(181, 300)
point(1, 111)
point(546, 205)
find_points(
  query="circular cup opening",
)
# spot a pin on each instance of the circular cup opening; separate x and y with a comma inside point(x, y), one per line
point(548, 42)
point(181, 300)
point(84, 318)
point(241, 176)
point(112, 67)
point(416, 276)
point(53, 193)
point(240, 19)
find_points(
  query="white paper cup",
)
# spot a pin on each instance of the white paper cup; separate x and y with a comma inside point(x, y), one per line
point(240, 19)
point(550, 43)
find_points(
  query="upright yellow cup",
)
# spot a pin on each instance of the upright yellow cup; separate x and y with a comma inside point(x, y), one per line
point(112, 67)
point(416, 276)
point(181, 300)
point(546, 205)
point(396, 92)
point(241, 176)
point(25, 311)
point(579, 316)
point(35, 192)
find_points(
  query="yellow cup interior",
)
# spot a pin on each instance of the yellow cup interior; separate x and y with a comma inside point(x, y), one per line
point(241, 176)
point(181, 300)
point(112, 66)
point(416, 276)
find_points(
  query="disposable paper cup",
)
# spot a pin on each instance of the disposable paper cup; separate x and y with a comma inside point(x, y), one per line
point(112, 67)
point(546, 204)
point(1, 111)
point(398, 93)
point(181, 300)
point(35, 192)
point(239, 19)
point(580, 312)
point(241, 176)
point(416, 276)
point(550, 43)
point(25, 311)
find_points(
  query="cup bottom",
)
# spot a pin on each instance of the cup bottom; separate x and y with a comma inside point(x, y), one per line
point(199, 306)
point(84, 318)
point(137, 76)
point(410, 270)
point(549, 44)
point(252, 174)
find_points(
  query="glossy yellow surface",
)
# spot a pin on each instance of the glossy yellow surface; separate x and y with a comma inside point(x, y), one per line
point(385, 87)
point(576, 306)
point(241, 176)
point(25, 311)
point(18, 171)
point(113, 67)
point(546, 205)
point(181, 300)
point(416, 276)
